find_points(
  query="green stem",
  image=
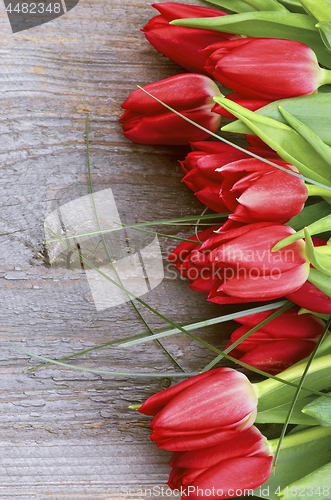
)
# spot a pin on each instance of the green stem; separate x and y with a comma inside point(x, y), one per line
point(325, 76)
point(135, 407)
point(299, 438)
point(295, 372)
point(314, 190)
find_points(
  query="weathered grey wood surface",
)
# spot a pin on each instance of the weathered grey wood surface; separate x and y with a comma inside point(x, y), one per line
point(67, 434)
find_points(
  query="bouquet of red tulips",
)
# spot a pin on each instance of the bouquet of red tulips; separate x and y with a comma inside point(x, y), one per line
point(266, 66)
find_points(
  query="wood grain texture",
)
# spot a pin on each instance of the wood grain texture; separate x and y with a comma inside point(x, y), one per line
point(66, 434)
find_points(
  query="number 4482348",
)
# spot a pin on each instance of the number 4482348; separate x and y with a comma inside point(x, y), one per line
point(304, 491)
point(34, 8)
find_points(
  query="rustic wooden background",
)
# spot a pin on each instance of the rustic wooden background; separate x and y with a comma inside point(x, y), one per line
point(67, 434)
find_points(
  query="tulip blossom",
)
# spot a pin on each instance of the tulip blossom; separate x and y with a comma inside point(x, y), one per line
point(200, 167)
point(279, 344)
point(265, 68)
point(252, 189)
point(146, 121)
point(181, 44)
point(242, 463)
point(205, 410)
point(237, 265)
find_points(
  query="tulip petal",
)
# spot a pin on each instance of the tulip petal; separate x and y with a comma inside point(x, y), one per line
point(293, 66)
point(311, 298)
point(194, 441)
point(204, 284)
point(242, 473)
point(250, 441)
point(288, 324)
point(279, 355)
point(156, 402)
point(176, 10)
point(252, 251)
point(168, 128)
point(223, 399)
point(252, 104)
point(209, 197)
point(266, 287)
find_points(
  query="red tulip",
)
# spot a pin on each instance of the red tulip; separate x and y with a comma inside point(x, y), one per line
point(181, 44)
point(146, 121)
point(250, 188)
point(279, 344)
point(208, 409)
point(237, 265)
point(241, 463)
point(265, 68)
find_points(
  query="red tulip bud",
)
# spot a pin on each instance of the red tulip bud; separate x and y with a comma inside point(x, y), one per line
point(279, 344)
point(265, 68)
point(250, 188)
point(208, 409)
point(146, 121)
point(237, 265)
point(181, 44)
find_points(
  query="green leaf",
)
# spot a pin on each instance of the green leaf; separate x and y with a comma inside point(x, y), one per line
point(314, 111)
point(267, 5)
point(309, 214)
point(279, 414)
point(246, 151)
point(290, 146)
point(273, 393)
point(293, 6)
point(317, 484)
point(206, 323)
point(325, 32)
point(234, 5)
point(320, 280)
point(320, 409)
point(323, 224)
point(249, 6)
point(301, 453)
point(285, 25)
point(320, 147)
point(321, 9)
point(320, 262)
